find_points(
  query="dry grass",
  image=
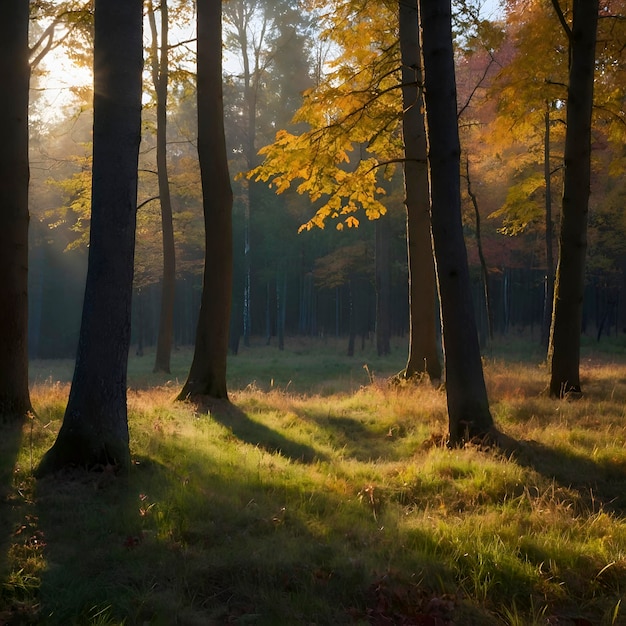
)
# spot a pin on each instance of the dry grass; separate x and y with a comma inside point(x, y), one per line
point(299, 505)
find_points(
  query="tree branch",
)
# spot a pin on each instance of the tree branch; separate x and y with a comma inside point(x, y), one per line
point(562, 20)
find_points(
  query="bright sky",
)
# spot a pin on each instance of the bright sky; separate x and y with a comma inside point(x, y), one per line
point(63, 74)
point(492, 9)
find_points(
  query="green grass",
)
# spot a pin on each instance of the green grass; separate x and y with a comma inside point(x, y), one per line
point(324, 496)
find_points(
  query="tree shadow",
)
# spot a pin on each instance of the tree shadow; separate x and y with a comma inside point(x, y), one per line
point(355, 439)
point(159, 547)
point(255, 433)
point(14, 515)
point(600, 484)
point(188, 541)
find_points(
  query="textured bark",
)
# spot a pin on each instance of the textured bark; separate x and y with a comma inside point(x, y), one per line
point(423, 350)
point(14, 175)
point(564, 349)
point(207, 376)
point(95, 427)
point(160, 74)
point(468, 407)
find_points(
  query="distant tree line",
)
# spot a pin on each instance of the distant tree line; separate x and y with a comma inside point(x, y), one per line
point(341, 137)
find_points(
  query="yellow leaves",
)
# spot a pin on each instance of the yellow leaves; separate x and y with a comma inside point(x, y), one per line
point(352, 121)
point(523, 205)
point(318, 163)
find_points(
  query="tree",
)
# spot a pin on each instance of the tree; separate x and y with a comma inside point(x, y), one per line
point(564, 348)
point(159, 59)
point(358, 108)
point(530, 90)
point(423, 351)
point(95, 426)
point(468, 406)
point(14, 176)
point(267, 39)
point(207, 376)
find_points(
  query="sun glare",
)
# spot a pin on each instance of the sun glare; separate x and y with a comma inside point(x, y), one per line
point(58, 85)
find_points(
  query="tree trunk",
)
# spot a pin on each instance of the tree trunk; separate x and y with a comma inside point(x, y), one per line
point(549, 281)
point(281, 307)
point(383, 287)
point(481, 256)
point(468, 407)
point(351, 316)
point(160, 74)
point(423, 351)
point(564, 349)
point(207, 376)
point(268, 312)
point(14, 176)
point(95, 427)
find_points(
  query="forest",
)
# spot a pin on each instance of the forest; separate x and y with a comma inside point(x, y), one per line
point(312, 312)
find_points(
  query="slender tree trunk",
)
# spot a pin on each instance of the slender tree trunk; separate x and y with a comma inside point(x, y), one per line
point(250, 93)
point(383, 287)
point(351, 316)
point(549, 284)
point(160, 74)
point(207, 376)
point(468, 407)
point(14, 176)
point(95, 427)
point(479, 244)
point(268, 312)
point(281, 307)
point(140, 322)
point(564, 349)
point(423, 350)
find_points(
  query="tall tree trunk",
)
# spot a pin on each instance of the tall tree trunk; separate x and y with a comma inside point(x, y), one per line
point(14, 176)
point(383, 287)
point(468, 407)
point(95, 426)
point(351, 316)
point(423, 350)
point(268, 312)
point(207, 376)
point(481, 256)
point(564, 349)
point(160, 76)
point(281, 307)
point(549, 282)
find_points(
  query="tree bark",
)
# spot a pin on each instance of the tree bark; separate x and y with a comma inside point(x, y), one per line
point(160, 74)
point(95, 427)
point(14, 176)
point(207, 376)
point(481, 256)
point(549, 284)
point(564, 348)
point(423, 351)
point(468, 407)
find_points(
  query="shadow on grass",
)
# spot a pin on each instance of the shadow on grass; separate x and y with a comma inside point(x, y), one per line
point(356, 439)
point(257, 434)
point(223, 546)
point(16, 597)
point(600, 484)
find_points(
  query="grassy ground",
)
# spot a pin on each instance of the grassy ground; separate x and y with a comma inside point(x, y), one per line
point(322, 495)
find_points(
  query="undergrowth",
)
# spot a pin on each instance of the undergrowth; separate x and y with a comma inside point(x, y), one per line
point(325, 501)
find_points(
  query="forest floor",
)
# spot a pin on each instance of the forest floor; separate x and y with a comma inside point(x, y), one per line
point(325, 495)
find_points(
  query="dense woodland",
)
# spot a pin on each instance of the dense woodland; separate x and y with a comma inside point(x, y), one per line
point(322, 282)
point(294, 164)
point(212, 213)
